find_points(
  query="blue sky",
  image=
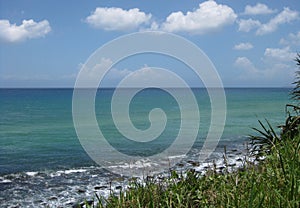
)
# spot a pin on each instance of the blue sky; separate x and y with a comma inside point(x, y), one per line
point(45, 43)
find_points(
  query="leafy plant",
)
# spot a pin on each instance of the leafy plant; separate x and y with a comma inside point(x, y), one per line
point(268, 139)
point(296, 91)
point(265, 142)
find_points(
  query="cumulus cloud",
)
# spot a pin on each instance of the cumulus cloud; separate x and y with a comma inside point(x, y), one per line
point(279, 54)
point(210, 16)
point(27, 30)
point(286, 16)
point(245, 64)
point(292, 39)
point(243, 46)
point(258, 9)
point(247, 25)
point(117, 19)
point(268, 72)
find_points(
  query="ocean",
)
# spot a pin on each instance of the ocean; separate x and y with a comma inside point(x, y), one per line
point(42, 162)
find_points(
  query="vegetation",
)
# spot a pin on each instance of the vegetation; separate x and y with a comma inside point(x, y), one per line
point(273, 182)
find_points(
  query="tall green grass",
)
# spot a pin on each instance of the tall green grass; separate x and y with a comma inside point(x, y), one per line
point(275, 182)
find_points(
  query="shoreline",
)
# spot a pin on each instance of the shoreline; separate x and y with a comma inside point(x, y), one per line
point(40, 188)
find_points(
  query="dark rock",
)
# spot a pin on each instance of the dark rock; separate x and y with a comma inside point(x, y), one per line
point(52, 198)
point(100, 187)
point(43, 204)
point(193, 163)
point(16, 206)
point(90, 202)
point(180, 165)
point(77, 205)
point(149, 177)
point(118, 187)
point(38, 201)
point(81, 191)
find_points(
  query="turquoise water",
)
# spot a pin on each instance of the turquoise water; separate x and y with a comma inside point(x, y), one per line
point(37, 132)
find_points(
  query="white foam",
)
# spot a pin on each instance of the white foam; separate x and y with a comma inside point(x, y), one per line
point(31, 173)
point(6, 181)
point(58, 173)
point(177, 156)
point(75, 171)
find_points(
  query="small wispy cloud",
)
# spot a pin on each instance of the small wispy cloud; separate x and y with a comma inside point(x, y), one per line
point(258, 9)
point(293, 39)
point(243, 46)
point(285, 16)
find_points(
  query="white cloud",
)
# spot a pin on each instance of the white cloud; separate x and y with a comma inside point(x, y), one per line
point(258, 9)
point(154, 26)
point(27, 30)
point(117, 19)
point(210, 16)
point(269, 73)
point(245, 64)
point(293, 39)
point(247, 25)
point(93, 72)
point(286, 16)
point(243, 46)
point(279, 54)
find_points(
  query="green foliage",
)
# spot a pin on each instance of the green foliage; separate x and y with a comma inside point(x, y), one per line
point(296, 90)
point(275, 182)
point(265, 142)
point(267, 139)
point(291, 127)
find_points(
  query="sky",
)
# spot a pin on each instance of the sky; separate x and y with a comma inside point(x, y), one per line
point(46, 43)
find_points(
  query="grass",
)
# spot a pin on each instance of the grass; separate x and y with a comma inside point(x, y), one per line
point(274, 182)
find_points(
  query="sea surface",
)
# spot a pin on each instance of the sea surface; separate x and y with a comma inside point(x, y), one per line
point(42, 162)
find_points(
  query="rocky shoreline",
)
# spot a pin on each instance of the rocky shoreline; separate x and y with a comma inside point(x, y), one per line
point(75, 187)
